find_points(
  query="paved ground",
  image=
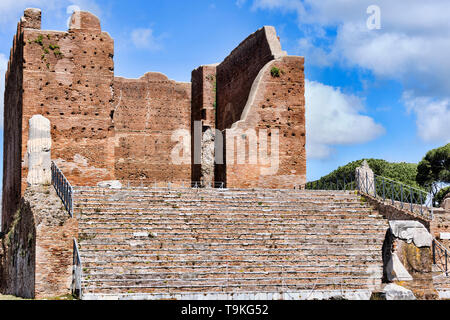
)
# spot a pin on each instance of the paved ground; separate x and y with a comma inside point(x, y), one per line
point(2, 297)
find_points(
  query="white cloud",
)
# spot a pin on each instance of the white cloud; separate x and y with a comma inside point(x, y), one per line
point(433, 117)
point(334, 118)
point(412, 46)
point(69, 11)
point(12, 10)
point(240, 3)
point(143, 38)
point(3, 68)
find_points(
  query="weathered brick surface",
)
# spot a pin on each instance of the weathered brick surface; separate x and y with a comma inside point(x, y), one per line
point(279, 105)
point(68, 78)
point(250, 97)
point(441, 224)
point(12, 156)
point(236, 74)
point(38, 250)
point(147, 112)
point(18, 254)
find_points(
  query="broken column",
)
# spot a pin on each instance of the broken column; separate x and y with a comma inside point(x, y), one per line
point(365, 179)
point(39, 151)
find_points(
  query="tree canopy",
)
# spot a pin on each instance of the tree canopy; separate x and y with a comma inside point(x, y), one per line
point(434, 167)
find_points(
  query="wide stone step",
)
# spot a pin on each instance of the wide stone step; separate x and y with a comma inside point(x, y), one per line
point(368, 265)
point(154, 280)
point(83, 203)
point(152, 229)
point(196, 226)
point(231, 213)
point(219, 258)
point(265, 285)
point(151, 190)
point(176, 263)
point(215, 199)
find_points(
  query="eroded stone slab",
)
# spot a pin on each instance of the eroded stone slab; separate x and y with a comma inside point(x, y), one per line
point(411, 231)
point(395, 271)
point(396, 292)
point(113, 184)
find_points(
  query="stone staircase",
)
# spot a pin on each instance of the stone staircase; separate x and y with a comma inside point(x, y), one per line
point(165, 243)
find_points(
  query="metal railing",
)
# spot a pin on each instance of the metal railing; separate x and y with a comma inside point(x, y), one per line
point(441, 257)
point(63, 188)
point(77, 272)
point(396, 193)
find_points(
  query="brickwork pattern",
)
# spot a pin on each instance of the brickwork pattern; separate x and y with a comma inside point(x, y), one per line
point(147, 112)
point(38, 251)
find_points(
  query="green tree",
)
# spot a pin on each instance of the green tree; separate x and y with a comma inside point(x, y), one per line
point(434, 167)
point(401, 172)
point(440, 196)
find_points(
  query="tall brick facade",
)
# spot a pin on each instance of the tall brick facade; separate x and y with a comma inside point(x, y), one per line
point(260, 100)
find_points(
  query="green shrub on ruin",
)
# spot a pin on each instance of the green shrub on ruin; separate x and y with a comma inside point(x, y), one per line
point(39, 40)
point(275, 72)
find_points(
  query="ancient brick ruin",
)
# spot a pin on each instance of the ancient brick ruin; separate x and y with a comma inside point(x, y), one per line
point(239, 124)
point(105, 127)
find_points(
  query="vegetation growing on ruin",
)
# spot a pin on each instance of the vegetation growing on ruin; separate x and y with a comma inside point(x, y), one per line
point(10, 235)
point(53, 47)
point(276, 72)
point(39, 40)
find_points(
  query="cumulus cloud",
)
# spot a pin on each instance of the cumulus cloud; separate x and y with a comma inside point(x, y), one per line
point(433, 117)
point(3, 68)
point(143, 38)
point(411, 47)
point(335, 118)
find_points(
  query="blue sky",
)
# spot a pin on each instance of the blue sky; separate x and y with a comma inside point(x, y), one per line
point(381, 93)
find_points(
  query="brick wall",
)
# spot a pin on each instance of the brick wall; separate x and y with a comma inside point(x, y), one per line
point(12, 157)
point(37, 252)
point(250, 97)
point(147, 113)
point(68, 78)
point(236, 74)
point(18, 254)
point(441, 224)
